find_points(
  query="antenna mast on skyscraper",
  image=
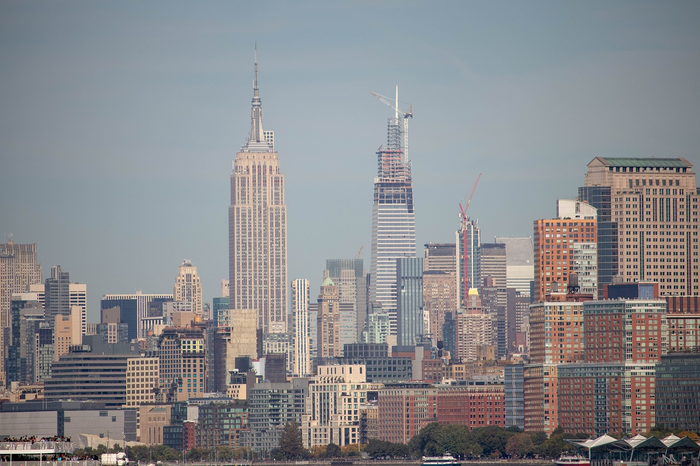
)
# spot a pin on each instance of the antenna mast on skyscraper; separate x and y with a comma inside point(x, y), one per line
point(406, 115)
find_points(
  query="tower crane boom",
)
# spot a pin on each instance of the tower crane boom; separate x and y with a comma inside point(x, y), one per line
point(406, 115)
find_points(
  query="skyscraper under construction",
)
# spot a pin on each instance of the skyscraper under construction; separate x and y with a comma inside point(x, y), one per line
point(393, 217)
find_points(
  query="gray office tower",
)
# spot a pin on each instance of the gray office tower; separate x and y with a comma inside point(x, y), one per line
point(393, 218)
point(494, 296)
point(514, 396)
point(350, 278)
point(409, 279)
point(23, 358)
point(57, 295)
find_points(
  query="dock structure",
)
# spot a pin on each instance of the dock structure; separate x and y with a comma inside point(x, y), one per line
point(41, 453)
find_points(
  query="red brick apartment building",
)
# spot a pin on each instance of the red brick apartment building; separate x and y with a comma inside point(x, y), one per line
point(473, 404)
point(624, 341)
point(404, 409)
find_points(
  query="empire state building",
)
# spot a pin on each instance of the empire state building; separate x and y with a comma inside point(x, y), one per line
point(258, 227)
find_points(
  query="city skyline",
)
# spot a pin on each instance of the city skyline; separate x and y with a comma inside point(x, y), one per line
point(121, 121)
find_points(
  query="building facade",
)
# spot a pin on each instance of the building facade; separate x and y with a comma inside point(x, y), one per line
point(333, 413)
point(393, 220)
point(678, 391)
point(272, 407)
point(188, 287)
point(409, 300)
point(258, 227)
point(134, 309)
point(520, 268)
point(555, 245)
point(18, 270)
point(439, 287)
point(651, 210)
point(350, 277)
point(468, 240)
point(300, 330)
point(182, 363)
point(328, 321)
point(89, 377)
point(404, 409)
point(474, 403)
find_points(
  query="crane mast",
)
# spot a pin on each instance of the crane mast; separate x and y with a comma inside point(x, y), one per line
point(406, 115)
point(463, 220)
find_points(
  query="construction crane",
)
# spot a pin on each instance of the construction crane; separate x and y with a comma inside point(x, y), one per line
point(463, 219)
point(360, 251)
point(406, 115)
point(463, 210)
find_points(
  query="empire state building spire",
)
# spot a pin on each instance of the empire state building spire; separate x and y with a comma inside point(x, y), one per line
point(258, 139)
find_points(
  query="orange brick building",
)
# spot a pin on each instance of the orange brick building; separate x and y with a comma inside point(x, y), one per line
point(557, 243)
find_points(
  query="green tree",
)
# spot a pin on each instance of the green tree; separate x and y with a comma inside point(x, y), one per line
point(519, 446)
point(378, 448)
point(538, 438)
point(164, 453)
point(554, 446)
point(333, 451)
point(492, 439)
point(291, 445)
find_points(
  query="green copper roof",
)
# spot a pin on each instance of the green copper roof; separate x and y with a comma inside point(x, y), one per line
point(651, 162)
point(328, 282)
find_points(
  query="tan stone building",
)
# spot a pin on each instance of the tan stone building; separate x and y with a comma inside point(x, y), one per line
point(142, 378)
point(188, 287)
point(153, 419)
point(651, 213)
point(243, 339)
point(67, 331)
point(328, 321)
point(258, 227)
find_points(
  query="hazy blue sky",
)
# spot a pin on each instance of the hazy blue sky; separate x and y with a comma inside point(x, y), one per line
point(119, 121)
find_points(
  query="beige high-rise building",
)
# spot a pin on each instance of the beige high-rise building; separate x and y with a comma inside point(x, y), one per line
point(244, 336)
point(439, 297)
point(328, 321)
point(142, 379)
point(67, 331)
point(332, 415)
point(188, 287)
point(440, 289)
point(18, 270)
point(258, 227)
point(474, 328)
point(648, 220)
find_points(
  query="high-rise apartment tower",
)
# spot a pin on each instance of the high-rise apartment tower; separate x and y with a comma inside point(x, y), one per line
point(258, 227)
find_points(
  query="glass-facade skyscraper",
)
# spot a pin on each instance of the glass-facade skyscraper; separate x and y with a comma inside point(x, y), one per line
point(468, 239)
point(409, 278)
point(393, 220)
